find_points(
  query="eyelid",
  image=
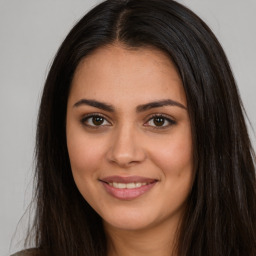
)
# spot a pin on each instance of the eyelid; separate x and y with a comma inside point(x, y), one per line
point(90, 115)
point(166, 117)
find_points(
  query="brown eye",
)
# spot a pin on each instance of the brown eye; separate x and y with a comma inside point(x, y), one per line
point(159, 121)
point(95, 121)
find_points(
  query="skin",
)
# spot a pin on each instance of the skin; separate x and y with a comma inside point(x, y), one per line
point(128, 143)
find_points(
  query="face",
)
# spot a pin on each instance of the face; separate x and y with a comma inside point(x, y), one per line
point(129, 137)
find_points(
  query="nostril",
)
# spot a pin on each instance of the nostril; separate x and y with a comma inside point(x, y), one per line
point(125, 149)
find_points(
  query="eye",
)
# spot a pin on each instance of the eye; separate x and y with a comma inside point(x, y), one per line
point(95, 120)
point(160, 121)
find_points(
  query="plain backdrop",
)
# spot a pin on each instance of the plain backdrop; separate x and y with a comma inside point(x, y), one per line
point(30, 34)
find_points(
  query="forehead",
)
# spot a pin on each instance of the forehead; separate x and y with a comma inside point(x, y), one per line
point(113, 71)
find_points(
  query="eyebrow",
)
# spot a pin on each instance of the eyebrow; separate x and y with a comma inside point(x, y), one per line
point(140, 108)
point(157, 104)
point(96, 104)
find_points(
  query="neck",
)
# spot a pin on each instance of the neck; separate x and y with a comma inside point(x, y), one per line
point(152, 241)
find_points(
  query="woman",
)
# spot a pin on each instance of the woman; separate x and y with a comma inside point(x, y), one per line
point(142, 146)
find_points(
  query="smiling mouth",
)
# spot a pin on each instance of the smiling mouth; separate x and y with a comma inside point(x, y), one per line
point(128, 185)
point(127, 188)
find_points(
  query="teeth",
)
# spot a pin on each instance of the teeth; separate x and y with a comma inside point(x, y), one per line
point(127, 185)
point(140, 184)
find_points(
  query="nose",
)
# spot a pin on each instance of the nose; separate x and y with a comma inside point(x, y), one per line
point(126, 147)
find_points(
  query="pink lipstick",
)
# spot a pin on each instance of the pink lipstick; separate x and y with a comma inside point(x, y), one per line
point(127, 188)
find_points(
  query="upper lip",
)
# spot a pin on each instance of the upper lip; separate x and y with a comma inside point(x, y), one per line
point(128, 179)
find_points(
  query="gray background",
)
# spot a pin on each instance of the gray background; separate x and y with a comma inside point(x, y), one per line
point(30, 33)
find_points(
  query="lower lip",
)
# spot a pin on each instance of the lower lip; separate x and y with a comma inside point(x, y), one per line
point(127, 194)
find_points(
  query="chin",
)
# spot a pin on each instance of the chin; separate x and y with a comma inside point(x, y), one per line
point(129, 220)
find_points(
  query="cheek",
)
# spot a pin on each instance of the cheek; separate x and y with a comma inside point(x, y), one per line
point(175, 159)
point(85, 159)
point(85, 154)
point(174, 155)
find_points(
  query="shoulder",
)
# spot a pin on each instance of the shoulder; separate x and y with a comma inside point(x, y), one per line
point(28, 252)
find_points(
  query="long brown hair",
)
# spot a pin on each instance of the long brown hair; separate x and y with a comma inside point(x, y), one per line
point(221, 210)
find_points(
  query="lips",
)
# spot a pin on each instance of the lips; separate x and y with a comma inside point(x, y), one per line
point(127, 188)
point(129, 179)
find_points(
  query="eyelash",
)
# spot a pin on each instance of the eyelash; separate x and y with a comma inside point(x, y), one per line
point(87, 117)
point(165, 119)
point(170, 121)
